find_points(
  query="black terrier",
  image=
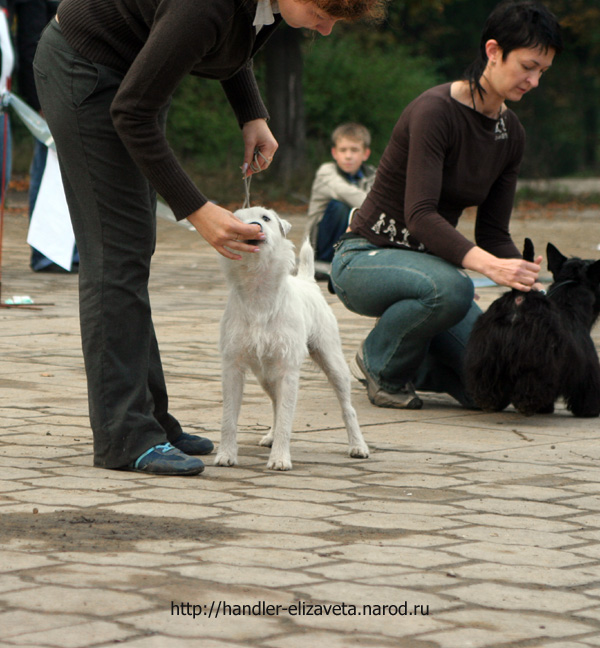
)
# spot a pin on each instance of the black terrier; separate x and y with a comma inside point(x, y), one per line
point(529, 348)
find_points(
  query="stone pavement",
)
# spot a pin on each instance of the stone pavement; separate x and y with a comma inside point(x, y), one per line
point(462, 529)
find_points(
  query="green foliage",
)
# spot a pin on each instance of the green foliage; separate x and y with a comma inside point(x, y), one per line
point(352, 76)
point(201, 123)
point(348, 79)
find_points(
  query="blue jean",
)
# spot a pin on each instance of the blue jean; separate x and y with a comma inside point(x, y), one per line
point(5, 152)
point(333, 224)
point(425, 312)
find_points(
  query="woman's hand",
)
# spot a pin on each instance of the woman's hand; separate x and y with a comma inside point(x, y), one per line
point(514, 273)
point(221, 228)
point(257, 137)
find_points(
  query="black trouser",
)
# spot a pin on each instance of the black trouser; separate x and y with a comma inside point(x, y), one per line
point(112, 208)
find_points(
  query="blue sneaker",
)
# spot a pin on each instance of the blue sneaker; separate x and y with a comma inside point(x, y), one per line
point(164, 459)
point(194, 445)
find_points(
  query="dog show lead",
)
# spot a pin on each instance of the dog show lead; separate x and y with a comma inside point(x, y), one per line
point(105, 72)
point(455, 146)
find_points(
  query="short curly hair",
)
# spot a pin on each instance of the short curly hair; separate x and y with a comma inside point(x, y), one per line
point(374, 10)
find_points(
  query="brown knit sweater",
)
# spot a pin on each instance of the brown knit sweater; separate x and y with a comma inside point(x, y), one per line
point(155, 44)
point(443, 157)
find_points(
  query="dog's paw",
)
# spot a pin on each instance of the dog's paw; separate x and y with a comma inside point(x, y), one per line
point(284, 463)
point(361, 451)
point(267, 440)
point(225, 459)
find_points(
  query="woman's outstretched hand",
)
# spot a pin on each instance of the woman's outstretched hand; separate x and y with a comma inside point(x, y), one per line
point(223, 230)
point(514, 273)
point(219, 226)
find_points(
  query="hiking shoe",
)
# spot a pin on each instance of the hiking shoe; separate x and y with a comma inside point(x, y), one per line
point(164, 459)
point(190, 444)
point(406, 398)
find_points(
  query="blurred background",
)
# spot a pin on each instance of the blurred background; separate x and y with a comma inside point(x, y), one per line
point(369, 74)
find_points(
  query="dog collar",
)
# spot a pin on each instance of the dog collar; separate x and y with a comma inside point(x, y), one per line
point(554, 287)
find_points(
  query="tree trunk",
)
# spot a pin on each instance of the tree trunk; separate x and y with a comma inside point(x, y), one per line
point(590, 120)
point(285, 101)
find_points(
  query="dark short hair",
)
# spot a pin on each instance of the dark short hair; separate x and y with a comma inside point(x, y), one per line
point(514, 25)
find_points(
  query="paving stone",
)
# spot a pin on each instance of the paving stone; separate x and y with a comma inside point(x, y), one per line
point(163, 509)
point(15, 623)
point(80, 636)
point(264, 507)
point(244, 575)
point(334, 640)
point(234, 628)
point(393, 521)
point(517, 507)
point(517, 554)
point(521, 537)
point(281, 541)
point(60, 497)
point(527, 574)
point(490, 521)
point(277, 524)
point(177, 642)
point(507, 627)
point(56, 599)
point(276, 558)
point(11, 561)
point(531, 523)
point(508, 597)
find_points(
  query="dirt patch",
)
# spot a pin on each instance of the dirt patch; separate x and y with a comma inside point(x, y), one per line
point(98, 530)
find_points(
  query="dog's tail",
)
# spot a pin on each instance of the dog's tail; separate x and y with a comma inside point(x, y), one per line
point(528, 254)
point(306, 261)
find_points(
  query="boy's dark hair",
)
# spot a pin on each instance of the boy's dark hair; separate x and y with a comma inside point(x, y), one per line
point(515, 25)
point(352, 131)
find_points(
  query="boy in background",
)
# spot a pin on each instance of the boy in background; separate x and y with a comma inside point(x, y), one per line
point(338, 188)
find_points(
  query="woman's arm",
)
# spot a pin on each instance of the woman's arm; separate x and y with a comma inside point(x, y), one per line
point(514, 273)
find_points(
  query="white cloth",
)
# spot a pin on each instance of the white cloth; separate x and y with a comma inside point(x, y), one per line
point(8, 57)
point(50, 230)
point(265, 10)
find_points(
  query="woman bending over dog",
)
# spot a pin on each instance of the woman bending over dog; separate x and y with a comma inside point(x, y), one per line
point(105, 72)
point(456, 145)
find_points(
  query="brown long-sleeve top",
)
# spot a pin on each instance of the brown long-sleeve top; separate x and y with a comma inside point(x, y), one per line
point(442, 157)
point(155, 43)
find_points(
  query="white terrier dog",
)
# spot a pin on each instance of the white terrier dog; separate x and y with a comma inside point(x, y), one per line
point(271, 321)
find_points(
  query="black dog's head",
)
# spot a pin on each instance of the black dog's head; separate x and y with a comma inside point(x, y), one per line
point(572, 272)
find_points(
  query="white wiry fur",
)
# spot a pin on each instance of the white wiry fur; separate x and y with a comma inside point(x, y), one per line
point(271, 321)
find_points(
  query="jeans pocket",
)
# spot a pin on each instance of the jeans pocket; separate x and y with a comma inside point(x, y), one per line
point(344, 255)
point(84, 81)
point(91, 80)
point(39, 73)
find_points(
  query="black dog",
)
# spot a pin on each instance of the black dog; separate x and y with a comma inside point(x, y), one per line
point(529, 349)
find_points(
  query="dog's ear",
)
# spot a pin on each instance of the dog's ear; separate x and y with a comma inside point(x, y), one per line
point(284, 226)
point(593, 273)
point(528, 251)
point(555, 259)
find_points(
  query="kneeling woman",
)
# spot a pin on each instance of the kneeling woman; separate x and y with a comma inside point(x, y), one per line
point(455, 146)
